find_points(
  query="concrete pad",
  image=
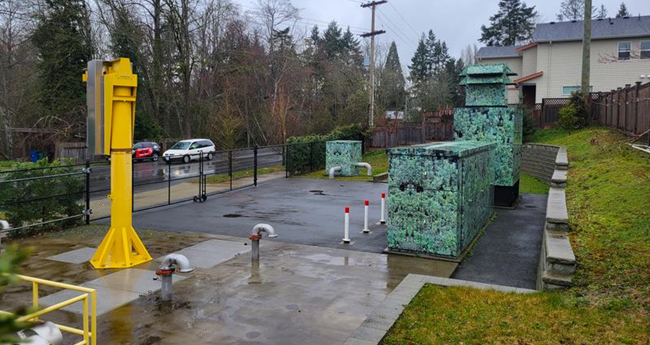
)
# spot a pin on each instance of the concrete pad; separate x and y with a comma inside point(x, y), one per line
point(213, 252)
point(77, 256)
point(113, 290)
point(107, 299)
point(132, 280)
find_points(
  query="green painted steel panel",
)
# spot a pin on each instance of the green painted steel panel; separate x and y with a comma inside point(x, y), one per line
point(501, 125)
point(439, 196)
point(343, 153)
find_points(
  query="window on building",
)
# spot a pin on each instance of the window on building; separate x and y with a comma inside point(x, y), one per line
point(624, 50)
point(567, 90)
point(645, 49)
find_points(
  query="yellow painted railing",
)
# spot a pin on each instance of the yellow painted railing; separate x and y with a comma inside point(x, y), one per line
point(88, 298)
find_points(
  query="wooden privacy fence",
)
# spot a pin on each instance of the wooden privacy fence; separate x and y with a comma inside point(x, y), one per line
point(626, 109)
point(435, 126)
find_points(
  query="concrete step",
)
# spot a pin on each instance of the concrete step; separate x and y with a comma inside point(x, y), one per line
point(558, 248)
point(557, 279)
point(557, 217)
point(562, 160)
point(559, 178)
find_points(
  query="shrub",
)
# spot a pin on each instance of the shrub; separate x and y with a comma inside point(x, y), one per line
point(307, 153)
point(573, 116)
point(528, 126)
point(40, 200)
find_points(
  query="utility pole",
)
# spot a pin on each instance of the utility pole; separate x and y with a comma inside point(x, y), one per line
point(373, 5)
point(586, 50)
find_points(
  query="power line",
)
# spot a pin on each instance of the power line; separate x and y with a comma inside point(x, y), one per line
point(398, 33)
point(404, 20)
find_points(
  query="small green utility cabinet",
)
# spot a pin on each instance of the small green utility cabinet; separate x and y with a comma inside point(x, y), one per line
point(439, 197)
point(344, 154)
point(487, 118)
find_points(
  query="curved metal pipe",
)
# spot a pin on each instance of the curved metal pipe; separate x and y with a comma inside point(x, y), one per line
point(333, 171)
point(259, 228)
point(45, 333)
point(365, 165)
point(178, 261)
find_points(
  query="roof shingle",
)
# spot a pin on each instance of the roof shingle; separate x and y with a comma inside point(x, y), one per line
point(600, 29)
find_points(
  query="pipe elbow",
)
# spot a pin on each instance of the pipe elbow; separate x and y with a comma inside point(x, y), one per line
point(333, 171)
point(259, 228)
point(177, 261)
point(365, 165)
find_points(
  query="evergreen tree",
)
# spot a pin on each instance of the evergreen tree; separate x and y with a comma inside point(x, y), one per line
point(622, 11)
point(514, 23)
point(351, 48)
point(63, 41)
point(332, 41)
point(391, 83)
point(419, 64)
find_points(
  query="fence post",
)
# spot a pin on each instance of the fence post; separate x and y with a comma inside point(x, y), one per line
point(230, 167)
point(311, 156)
point(542, 114)
point(625, 125)
point(636, 105)
point(255, 165)
point(169, 182)
point(285, 151)
point(87, 212)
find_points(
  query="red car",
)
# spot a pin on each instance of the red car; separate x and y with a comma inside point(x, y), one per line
point(146, 150)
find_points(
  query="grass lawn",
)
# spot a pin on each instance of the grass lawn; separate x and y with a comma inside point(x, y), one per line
point(529, 184)
point(7, 165)
point(214, 179)
point(608, 198)
point(378, 160)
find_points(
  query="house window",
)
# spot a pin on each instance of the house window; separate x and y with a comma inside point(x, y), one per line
point(645, 49)
point(567, 90)
point(624, 50)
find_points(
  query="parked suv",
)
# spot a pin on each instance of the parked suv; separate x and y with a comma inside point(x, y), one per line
point(187, 150)
point(146, 150)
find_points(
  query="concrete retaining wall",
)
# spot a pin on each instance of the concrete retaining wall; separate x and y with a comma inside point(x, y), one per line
point(539, 160)
point(557, 262)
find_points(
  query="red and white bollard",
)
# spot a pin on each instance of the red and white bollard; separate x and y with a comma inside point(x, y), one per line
point(346, 228)
point(382, 220)
point(365, 218)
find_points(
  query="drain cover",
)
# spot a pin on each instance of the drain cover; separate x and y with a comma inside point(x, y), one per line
point(232, 215)
point(317, 192)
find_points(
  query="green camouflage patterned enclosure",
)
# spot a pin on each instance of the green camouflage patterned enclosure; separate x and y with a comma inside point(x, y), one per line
point(439, 196)
point(486, 84)
point(501, 125)
point(487, 118)
point(343, 153)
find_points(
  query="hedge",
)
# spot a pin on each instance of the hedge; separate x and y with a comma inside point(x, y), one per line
point(34, 201)
point(307, 153)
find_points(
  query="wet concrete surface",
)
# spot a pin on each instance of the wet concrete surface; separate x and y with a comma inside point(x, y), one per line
point(297, 294)
point(508, 252)
point(303, 211)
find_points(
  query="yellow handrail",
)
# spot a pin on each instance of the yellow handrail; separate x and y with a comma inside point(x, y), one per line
point(88, 332)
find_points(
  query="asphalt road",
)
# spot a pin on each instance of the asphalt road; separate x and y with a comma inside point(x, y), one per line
point(148, 172)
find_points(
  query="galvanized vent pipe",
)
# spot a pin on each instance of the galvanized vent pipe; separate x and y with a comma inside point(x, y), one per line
point(46, 333)
point(166, 270)
point(365, 165)
point(256, 236)
point(333, 171)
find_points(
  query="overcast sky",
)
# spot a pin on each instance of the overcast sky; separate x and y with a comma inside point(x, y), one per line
point(457, 22)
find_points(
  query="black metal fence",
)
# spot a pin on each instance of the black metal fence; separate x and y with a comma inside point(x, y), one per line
point(46, 196)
